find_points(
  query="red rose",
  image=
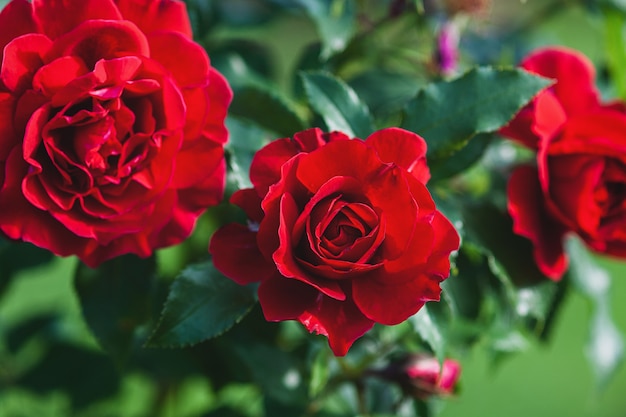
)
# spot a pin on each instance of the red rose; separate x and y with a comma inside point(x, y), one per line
point(111, 126)
point(578, 184)
point(342, 233)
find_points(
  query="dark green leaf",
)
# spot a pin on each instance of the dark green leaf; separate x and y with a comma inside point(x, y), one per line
point(524, 296)
point(335, 21)
point(278, 409)
point(338, 104)
point(605, 348)
point(460, 161)
point(25, 330)
point(508, 253)
point(320, 371)
point(431, 323)
point(238, 59)
point(202, 304)
point(245, 139)
point(447, 114)
point(116, 299)
point(202, 16)
point(267, 108)
point(385, 92)
point(17, 256)
point(86, 376)
point(278, 374)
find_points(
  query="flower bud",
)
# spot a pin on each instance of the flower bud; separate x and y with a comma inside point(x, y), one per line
point(421, 376)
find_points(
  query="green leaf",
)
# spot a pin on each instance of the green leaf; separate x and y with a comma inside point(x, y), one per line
point(616, 48)
point(84, 375)
point(202, 304)
point(17, 256)
point(335, 21)
point(447, 114)
point(267, 108)
point(508, 253)
point(605, 348)
point(278, 373)
point(246, 139)
point(429, 323)
point(116, 300)
point(385, 92)
point(460, 161)
point(320, 371)
point(338, 104)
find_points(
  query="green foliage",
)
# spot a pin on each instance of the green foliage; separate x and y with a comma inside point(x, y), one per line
point(335, 21)
point(202, 304)
point(605, 348)
point(116, 300)
point(338, 104)
point(449, 113)
point(616, 48)
point(268, 109)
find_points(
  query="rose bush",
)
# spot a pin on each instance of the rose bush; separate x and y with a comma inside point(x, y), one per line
point(111, 126)
point(342, 233)
point(579, 181)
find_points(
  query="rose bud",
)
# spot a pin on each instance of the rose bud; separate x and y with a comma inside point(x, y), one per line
point(421, 376)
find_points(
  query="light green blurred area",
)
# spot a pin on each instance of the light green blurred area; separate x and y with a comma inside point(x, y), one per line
point(552, 379)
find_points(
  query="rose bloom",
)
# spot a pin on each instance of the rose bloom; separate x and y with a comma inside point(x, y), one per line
point(111, 126)
point(578, 183)
point(342, 233)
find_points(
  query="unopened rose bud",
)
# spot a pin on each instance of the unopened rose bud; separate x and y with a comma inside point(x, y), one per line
point(421, 376)
point(427, 378)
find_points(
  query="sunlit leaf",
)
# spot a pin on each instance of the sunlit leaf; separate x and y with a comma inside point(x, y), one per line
point(615, 43)
point(335, 21)
point(449, 113)
point(338, 104)
point(430, 324)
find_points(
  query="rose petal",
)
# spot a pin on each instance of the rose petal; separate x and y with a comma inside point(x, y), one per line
point(250, 202)
point(525, 204)
point(373, 293)
point(574, 73)
point(23, 56)
point(572, 183)
point(185, 60)
point(54, 76)
point(236, 254)
point(403, 148)
point(57, 17)
point(284, 299)
point(285, 258)
point(16, 19)
point(153, 15)
point(94, 40)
